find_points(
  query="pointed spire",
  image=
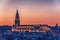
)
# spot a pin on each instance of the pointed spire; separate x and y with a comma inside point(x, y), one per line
point(17, 14)
point(17, 19)
point(17, 10)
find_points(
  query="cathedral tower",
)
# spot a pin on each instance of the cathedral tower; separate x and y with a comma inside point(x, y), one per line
point(17, 19)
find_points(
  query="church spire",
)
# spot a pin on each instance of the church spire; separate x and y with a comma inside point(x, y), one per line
point(17, 19)
point(17, 14)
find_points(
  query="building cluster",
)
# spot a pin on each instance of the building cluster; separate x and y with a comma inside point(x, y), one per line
point(29, 32)
point(30, 28)
point(17, 27)
point(52, 34)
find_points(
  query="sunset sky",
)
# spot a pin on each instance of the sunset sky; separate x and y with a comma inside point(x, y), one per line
point(30, 11)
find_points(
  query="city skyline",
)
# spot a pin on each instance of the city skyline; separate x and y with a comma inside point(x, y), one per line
point(43, 13)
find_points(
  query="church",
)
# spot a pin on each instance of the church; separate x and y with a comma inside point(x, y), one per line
point(18, 27)
point(24, 28)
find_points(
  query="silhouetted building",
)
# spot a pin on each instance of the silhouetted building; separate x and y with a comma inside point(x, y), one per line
point(17, 19)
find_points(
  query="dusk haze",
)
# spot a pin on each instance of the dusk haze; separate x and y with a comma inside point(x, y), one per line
point(43, 12)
